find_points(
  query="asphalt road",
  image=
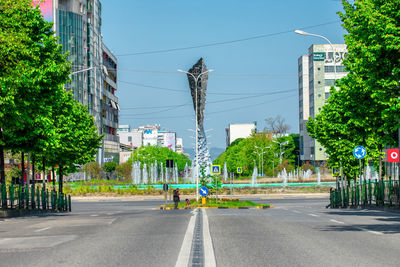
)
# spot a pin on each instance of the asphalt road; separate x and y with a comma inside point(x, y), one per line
point(296, 232)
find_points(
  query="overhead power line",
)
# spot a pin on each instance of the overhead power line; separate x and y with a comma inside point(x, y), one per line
point(226, 42)
point(181, 90)
point(215, 112)
point(212, 102)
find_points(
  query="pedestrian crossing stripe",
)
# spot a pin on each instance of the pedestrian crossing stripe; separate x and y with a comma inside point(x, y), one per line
point(215, 169)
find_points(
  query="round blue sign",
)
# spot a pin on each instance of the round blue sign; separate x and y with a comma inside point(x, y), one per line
point(359, 152)
point(203, 191)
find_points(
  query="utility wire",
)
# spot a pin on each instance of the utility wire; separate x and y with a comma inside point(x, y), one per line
point(178, 90)
point(213, 102)
point(215, 112)
point(225, 42)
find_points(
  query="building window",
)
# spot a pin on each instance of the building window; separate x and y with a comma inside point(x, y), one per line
point(340, 68)
point(129, 138)
point(311, 84)
point(327, 95)
point(329, 69)
point(329, 82)
point(300, 67)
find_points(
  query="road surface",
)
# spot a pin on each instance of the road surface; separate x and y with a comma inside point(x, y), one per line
point(296, 232)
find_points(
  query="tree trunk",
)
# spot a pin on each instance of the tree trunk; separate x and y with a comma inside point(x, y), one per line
point(2, 173)
point(60, 180)
point(380, 164)
point(44, 172)
point(21, 182)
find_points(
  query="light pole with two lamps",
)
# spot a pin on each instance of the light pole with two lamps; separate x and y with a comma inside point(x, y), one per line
point(196, 78)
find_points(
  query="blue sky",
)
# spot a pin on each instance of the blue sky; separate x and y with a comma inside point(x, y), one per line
point(248, 77)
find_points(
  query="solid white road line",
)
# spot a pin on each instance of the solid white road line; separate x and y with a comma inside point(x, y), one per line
point(296, 211)
point(94, 215)
point(209, 257)
point(332, 220)
point(184, 253)
point(43, 229)
point(314, 215)
point(369, 231)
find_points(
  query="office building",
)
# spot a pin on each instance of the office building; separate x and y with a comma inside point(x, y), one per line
point(317, 72)
point(78, 25)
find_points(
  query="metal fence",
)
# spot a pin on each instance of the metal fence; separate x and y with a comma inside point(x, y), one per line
point(17, 197)
point(371, 192)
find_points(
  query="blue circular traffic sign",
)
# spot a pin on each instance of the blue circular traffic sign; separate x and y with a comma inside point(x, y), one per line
point(359, 152)
point(203, 191)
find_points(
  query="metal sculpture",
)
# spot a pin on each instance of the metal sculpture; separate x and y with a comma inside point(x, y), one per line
point(198, 76)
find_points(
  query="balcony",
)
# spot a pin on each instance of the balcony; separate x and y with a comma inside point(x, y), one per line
point(110, 95)
point(110, 137)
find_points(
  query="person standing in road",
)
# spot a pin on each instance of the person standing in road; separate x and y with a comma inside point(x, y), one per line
point(176, 197)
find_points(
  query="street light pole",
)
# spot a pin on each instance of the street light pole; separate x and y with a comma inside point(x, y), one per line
point(196, 78)
point(326, 39)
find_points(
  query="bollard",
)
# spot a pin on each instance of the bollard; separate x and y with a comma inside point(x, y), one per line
point(65, 203)
point(69, 201)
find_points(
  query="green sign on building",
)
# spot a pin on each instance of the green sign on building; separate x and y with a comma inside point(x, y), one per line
point(319, 56)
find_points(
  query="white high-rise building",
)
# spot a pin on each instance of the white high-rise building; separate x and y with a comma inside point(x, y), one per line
point(316, 73)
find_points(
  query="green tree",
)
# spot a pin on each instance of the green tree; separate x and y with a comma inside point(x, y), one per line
point(76, 134)
point(373, 42)
point(365, 109)
point(32, 70)
point(151, 154)
point(109, 168)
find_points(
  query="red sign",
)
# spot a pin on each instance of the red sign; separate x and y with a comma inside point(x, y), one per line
point(393, 155)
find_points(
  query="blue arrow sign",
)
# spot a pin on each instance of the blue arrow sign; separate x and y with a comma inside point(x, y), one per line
point(203, 191)
point(359, 152)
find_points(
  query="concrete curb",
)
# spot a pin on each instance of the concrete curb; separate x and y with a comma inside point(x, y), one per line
point(219, 208)
point(21, 213)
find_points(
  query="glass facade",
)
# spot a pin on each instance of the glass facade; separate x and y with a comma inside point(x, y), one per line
point(70, 31)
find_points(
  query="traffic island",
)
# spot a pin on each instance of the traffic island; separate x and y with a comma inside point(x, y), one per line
point(216, 204)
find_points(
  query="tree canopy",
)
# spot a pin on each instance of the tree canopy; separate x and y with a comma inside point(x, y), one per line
point(36, 114)
point(365, 111)
point(151, 154)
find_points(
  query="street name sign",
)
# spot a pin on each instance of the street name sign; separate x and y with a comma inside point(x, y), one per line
point(392, 155)
point(203, 191)
point(215, 169)
point(359, 152)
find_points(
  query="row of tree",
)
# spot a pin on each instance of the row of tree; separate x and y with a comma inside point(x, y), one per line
point(152, 154)
point(37, 115)
point(366, 108)
point(261, 149)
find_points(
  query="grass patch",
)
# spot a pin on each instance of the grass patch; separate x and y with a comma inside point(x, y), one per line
point(211, 202)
